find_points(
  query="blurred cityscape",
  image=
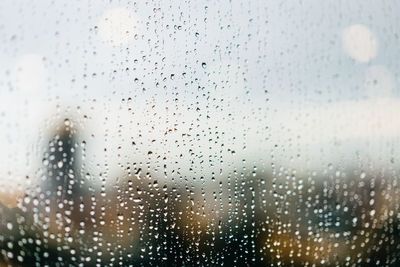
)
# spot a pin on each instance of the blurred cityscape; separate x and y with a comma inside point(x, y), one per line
point(249, 218)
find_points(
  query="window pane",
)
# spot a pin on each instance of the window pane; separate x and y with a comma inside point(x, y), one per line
point(199, 133)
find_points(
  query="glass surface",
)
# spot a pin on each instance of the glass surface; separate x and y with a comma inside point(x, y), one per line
point(199, 133)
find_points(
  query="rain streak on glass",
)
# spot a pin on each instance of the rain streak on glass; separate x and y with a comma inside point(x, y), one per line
point(199, 133)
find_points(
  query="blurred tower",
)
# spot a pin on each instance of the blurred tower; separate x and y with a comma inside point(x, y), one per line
point(64, 201)
point(63, 181)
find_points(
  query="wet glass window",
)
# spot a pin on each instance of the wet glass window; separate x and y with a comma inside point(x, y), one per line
point(199, 133)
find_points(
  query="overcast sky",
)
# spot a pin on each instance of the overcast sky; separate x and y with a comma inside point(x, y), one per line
point(306, 81)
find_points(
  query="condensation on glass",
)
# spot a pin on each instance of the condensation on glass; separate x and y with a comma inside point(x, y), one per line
point(199, 133)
